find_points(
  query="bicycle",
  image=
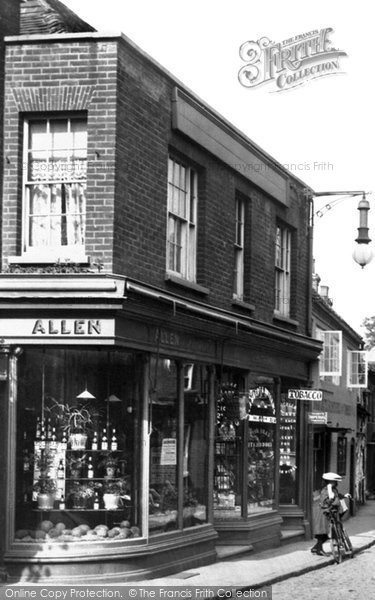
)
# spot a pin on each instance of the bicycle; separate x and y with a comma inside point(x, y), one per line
point(341, 545)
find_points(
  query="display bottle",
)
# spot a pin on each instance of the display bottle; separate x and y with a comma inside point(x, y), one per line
point(114, 444)
point(90, 469)
point(104, 445)
point(26, 461)
point(37, 432)
point(94, 443)
point(43, 437)
point(61, 470)
point(62, 503)
point(53, 440)
point(49, 429)
point(96, 501)
point(64, 441)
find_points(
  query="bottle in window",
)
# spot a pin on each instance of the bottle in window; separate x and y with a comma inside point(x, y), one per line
point(26, 461)
point(96, 501)
point(104, 445)
point(64, 441)
point(90, 469)
point(114, 444)
point(43, 437)
point(53, 441)
point(94, 443)
point(62, 503)
point(38, 430)
point(61, 470)
point(49, 429)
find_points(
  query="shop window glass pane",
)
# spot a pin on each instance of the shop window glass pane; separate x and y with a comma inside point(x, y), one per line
point(228, 455)
point(288, 449)
point(77, 447)
point(163, 493)
point(261, 450)
point(195, 445)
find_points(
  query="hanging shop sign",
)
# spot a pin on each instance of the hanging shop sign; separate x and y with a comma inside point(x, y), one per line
point(311, 395)
point(318, 418)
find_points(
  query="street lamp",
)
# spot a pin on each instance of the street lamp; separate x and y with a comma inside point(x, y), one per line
point(362, 253)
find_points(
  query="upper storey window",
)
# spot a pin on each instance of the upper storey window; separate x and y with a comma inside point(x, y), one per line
point(182, 217)
point(282, 271)
point(55, 158)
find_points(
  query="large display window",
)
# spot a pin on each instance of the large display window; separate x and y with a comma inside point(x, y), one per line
point(288, 493)
point(77, 474)
point(245, 444)
point(178, 445)
point(261, 449)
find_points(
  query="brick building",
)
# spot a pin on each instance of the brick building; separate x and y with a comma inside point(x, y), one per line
point(155, 299)
point(339, 438)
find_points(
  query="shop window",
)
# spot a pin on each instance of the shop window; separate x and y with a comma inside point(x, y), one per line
point(228, 454)
point(238, 274)
point(78, 451)
point(195, 448)
point(178, 463)
point(341, 455)
point(182, 216)
point(288, 451)
point(331, 356)
point(282, 271)
point(55, 186)
point(261, 450)
point(357, 369)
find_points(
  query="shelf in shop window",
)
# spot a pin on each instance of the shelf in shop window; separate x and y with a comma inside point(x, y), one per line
point(94, 510)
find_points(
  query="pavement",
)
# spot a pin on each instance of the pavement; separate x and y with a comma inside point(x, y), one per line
point(255, 570)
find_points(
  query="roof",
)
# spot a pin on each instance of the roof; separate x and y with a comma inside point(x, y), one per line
point(319, 302)
point(50, 16)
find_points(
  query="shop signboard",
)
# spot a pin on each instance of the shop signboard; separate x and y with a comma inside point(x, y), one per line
point(39, 329)
point(318, 418)
point(310, 395)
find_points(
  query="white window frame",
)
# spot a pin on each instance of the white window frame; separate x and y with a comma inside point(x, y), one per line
point(356, 358)
point(50, 252)
point(182, 219)
point(332, 352)
point(239, 241)
point(283, 248)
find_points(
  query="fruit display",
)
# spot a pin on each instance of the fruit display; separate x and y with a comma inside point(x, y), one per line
point(59, 532)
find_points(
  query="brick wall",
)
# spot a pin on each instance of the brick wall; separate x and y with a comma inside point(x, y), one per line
point(129, 104)
point(9, 25)
point(144, 138)
point(64, 76)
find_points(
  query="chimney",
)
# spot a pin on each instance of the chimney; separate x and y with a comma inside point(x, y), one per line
point(324, 294)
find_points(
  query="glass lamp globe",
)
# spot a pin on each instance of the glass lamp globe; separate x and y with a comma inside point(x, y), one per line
point(362, 254)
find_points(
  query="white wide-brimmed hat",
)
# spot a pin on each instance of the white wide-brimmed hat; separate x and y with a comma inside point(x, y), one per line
point(331, 477)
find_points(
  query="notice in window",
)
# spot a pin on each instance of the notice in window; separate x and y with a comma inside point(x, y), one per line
point(168, 452)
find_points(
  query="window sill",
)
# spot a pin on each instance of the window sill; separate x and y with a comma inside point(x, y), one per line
point(242, 304)
point(283, 319)
point(48, 258)
point(186, 284)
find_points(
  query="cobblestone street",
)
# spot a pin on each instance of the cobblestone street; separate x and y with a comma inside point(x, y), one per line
point(353, 579)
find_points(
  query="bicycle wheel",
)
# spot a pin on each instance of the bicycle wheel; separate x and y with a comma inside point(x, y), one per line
point(347, 543)
point(336, 544)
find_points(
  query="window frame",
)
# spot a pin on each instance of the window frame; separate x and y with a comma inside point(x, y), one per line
point(51, 252)
point(283, 252)
point(322, 371)
point(183, 226)
point(239, 249)
point(350, 356)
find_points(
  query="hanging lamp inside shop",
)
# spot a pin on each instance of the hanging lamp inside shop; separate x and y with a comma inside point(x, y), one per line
point(85, 395)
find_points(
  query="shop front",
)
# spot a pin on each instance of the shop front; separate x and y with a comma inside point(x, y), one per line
point(132, 446)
